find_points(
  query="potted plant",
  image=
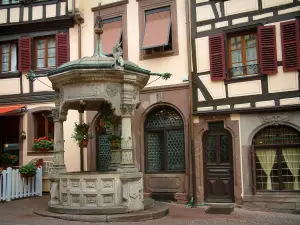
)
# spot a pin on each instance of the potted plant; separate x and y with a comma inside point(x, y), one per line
point(43, 144)
point(8, 160)
point(81, 134)
point(115, 142)
point(28, 170)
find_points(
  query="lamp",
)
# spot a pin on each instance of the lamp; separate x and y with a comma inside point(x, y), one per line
point(23, 135)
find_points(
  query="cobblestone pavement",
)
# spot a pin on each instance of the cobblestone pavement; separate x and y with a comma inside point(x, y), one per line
point(20, 212)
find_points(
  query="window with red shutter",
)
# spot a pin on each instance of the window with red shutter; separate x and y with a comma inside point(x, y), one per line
point(267, 49)
point(290, 45)
point(217, 57)
point(24, 54)
point(62, 50)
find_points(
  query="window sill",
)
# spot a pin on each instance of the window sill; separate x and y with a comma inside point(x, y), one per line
point(14, 74)
point(244, 78)
point(40, 152)
point(158, 54)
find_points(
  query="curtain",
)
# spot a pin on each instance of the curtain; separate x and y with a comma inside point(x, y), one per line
point(266, 158)
point(13, 65)
point(292, 159)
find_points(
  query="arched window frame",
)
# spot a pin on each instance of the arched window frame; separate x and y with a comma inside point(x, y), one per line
point(260, 143)
point(163, 130)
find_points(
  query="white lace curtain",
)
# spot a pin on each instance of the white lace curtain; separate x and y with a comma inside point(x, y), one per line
point(292, 159)
point(266, 158)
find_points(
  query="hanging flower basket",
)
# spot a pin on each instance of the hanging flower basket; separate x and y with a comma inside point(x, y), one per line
point(102, 123)
point(85, 143)
point(28, 170)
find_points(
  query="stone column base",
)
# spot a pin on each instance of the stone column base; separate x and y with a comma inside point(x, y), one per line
point(132, 187)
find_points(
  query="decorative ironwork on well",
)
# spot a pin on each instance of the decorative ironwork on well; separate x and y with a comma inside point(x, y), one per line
point(104, 153)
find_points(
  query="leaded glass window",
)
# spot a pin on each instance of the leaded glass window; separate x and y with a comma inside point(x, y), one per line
point(164, 141)
point(277, 159)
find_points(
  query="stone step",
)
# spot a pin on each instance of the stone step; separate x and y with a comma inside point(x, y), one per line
point(159, 210)
point(148, 203)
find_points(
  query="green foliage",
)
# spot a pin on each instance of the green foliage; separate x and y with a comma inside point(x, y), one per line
point(9, 159)
point(81, 132)
point(28, 170)
point(115, 142)
point(43, 143)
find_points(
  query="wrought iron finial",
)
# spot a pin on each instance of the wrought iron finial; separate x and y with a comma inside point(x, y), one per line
point(98, 20)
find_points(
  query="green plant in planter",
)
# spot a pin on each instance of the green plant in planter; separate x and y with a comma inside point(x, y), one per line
point(43, 144)
point(115, 142)
point(9, 160)
point(28, 170)
point(81, 132)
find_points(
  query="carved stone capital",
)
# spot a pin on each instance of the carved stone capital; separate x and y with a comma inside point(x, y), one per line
point(59, 115)
point(127, 109)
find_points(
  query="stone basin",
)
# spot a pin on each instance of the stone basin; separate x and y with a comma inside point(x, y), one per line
point(95, 193)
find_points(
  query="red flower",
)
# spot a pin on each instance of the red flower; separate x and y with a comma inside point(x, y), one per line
point(11, 157)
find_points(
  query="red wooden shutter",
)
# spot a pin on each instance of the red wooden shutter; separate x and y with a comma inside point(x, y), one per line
point(24, 54)
point(290, 45)
point(267, 49)
point(217, 57)
point(62, 48)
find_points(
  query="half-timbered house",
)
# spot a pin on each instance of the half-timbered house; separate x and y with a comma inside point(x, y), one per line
point(246, 101)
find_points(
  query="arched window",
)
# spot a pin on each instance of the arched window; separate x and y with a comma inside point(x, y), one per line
point(164, 141)
point(276, 158)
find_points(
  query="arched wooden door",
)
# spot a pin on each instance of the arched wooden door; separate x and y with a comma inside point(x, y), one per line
point(218, 164)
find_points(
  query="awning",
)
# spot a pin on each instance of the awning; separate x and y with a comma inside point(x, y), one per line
point(157, 31)
point(112, 32)
point(10, 109)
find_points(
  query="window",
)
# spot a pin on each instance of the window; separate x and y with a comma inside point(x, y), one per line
point(112, 34)
point(164, 143)
point(44, 126)
point(8, 60)
point(6, 2)
point(243, 54)
point(243, 51)
point(45, 52)
point(114, 27)
point(161, 16)
point(276, 156)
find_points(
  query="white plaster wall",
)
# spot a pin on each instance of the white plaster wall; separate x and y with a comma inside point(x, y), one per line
point(50, 10)
point(215, 88)
point(73, 32)
point(72, 151)
point(176, 65)
point(25, 83)
point(37, 12)
point(244, 88)
point(25, 14)
point(14, 15)
point(39, 86)
point(239, 6)
point(204, 13)
point(283, 81)
point(63, 6)
point(271, 3)
point(3, 15)
point(10, 86)
point(202, 54)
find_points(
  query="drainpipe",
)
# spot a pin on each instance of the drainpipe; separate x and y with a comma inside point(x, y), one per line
point(191, 132)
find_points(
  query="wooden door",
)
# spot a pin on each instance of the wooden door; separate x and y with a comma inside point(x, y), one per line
point(218, 166)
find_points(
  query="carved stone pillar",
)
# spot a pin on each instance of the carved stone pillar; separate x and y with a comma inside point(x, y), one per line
point(58, 158)
point(127, 154)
